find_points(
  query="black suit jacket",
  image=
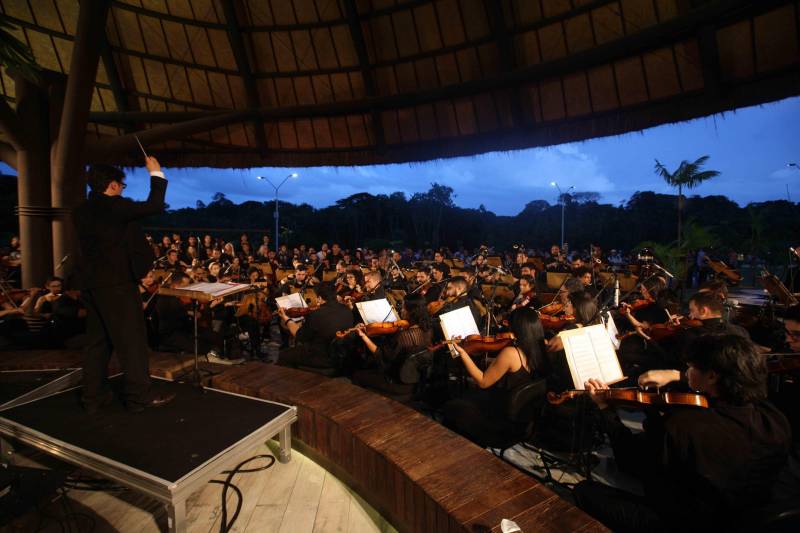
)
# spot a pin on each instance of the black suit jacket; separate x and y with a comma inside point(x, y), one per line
point(113, 247)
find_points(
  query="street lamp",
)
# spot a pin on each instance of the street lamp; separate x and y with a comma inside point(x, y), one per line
point(562, 198)
point(275, 214)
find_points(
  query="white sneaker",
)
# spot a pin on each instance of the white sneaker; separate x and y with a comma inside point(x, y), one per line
point(212, 357)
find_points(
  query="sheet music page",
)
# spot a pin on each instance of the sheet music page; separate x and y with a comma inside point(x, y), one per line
point(215, 289)
point(590, 354)
point(611, 328)
point(291, 300)
point(376, 311)
point(458, 323)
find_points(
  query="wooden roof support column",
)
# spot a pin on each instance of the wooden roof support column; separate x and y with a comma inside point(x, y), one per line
point(8, 155)
point(243, 66)
point(68, 185)
point(508, 58)
point(354, 22)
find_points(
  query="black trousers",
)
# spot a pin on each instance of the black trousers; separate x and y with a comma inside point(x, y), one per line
point(115, 323)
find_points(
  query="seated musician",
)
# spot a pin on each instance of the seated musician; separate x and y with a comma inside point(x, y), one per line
point(397, 281)
point(352, 285)
point(176, 326)
point(701, 469)
point(425, 286)
point(520, 260)
point(479, 415)
point(373, 286)
point(297, 282)
point(527, 294)
point(456, 296)
point(584, 274)
point(557, 262)
point(62, 309)
point(400, 356)
point(314, 336)
point(576, 263)
point(172, 262)
point(198, 274)
point(439, 274)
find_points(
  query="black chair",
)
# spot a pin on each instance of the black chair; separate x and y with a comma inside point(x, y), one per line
point(524, 407)
point(776, 517)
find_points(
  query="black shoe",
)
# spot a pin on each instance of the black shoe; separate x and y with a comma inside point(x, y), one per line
point(103, 399)
point(156, 400)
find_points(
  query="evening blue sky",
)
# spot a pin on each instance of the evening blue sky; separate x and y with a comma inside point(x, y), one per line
point(750, 148)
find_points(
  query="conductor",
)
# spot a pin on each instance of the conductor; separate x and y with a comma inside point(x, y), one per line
point(114, 257)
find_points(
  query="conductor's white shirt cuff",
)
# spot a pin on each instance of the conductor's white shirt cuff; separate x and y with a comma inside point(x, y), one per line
point(158, 174)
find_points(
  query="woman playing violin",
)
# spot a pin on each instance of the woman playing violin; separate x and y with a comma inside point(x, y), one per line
point(700, 468)
point(479, 415)
point(398, 356)
point(527, 294)
point(353, 286)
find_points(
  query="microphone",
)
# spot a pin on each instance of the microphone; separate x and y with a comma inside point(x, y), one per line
point(61, 263)
point(616, 293)
point(664, 270)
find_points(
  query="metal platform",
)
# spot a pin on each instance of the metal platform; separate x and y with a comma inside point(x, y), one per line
point(167, 453)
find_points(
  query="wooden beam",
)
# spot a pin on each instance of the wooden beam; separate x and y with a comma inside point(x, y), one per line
point(354, 23)
point(11, 126)
point(68, 184)
point(243, 66)
point(709, 57)
point(114, 80)
point(505, 47)
point(127, 143)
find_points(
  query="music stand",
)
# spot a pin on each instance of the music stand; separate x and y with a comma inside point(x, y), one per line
point(202, 292)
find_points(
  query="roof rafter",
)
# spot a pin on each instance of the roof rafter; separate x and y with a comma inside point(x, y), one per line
point(505, 46)
point(243, 65)
point(357, 35)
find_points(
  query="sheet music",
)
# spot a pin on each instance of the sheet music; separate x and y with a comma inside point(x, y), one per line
point(458, 323)
point(376, 311)
point(216, 290)
point(291, 300)
point(590, 354)
point(611, 328)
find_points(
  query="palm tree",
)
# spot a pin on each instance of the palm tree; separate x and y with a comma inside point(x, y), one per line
point(687, 175)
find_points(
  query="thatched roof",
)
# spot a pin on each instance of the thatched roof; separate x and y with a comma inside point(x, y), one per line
point(342, 82)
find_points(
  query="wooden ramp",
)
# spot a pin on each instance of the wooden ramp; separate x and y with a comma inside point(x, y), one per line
point(417, 473)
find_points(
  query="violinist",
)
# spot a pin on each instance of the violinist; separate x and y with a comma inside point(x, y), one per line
point(557, 262)
point(400, 356)
point(352, 287)
point(396, 281)
point(296, 282)
point(425, 286)
point(147, 287)
point(479, 415)
point(701, 469)
point(313, 338)
point(456, 296)
point(373, 286)
point(584, 274)
point(527, 294)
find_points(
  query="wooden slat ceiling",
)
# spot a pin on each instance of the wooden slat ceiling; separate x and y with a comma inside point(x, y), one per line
point(345, 82)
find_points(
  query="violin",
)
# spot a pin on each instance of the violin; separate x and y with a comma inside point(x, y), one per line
point(297, 312)
point(555, 323)
point(552, 309)
point(785, 363)
point(436, 305)
point(719, 267)
point(635, 397)
point(641, 303)
point(377, 329)
point(473, 344)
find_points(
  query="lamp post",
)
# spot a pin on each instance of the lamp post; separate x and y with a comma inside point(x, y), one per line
point(275, 214)
point(561, 197)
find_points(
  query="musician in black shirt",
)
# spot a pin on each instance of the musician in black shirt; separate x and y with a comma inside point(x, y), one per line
point(700, 468)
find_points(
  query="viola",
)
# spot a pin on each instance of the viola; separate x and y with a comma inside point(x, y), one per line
point(297, 312)
point(660, 332)
point(641, 303)
point(377, 329)
point(473, 344)
point(635, 397)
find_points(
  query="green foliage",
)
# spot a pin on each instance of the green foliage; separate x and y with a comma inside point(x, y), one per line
point(14, 54)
